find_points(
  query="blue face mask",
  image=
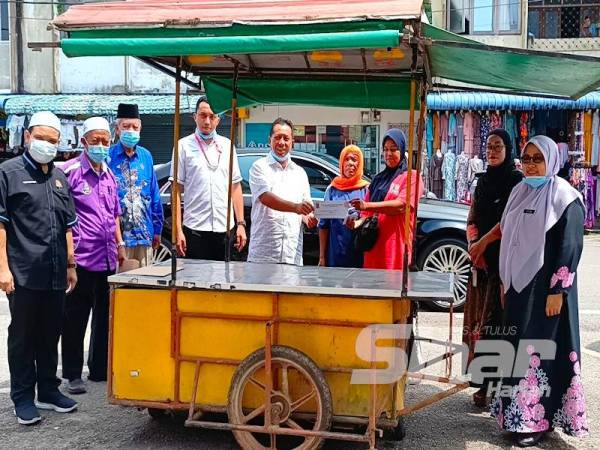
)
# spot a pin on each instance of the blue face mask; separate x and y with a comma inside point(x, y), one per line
point(129, 138)
point(536, 182)
point(97, 153)
point(206, 137)
point(280, 159)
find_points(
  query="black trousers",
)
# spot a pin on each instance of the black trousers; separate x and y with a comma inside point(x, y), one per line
point(91, 293)
point(33, 333)
point(206, 244)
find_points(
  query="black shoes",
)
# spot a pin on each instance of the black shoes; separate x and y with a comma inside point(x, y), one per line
point(529, 439)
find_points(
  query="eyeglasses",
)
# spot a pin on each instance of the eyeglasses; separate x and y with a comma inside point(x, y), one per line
point(535, 159)
point(494, 148)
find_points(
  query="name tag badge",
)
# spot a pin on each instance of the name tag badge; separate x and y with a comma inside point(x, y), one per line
point(29, 182)
point(529, 211)
point(86, 188)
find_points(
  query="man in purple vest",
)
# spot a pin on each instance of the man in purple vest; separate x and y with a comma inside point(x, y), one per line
point(98, 250)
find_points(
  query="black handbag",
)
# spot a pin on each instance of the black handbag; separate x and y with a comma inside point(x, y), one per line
point(365, 236)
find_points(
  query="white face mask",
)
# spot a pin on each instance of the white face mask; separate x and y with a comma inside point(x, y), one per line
point(41, 151)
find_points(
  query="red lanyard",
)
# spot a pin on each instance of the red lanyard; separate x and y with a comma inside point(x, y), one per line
point(200, 144)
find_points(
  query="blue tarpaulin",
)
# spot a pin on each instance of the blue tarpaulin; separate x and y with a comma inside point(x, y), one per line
point(443, 101)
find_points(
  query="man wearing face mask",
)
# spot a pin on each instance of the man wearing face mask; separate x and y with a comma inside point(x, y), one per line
point(98, 250)
point(37, 266)
point(203, 173)
point(133, 167)
point(280, 202)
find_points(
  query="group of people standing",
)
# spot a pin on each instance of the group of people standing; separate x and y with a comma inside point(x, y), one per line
point(384, 197)
point(525, 233)
point(64, 231)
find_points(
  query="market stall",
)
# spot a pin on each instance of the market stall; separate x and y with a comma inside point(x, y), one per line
point(274, 346)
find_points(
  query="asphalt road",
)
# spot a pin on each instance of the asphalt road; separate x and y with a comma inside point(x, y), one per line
point(452, 423)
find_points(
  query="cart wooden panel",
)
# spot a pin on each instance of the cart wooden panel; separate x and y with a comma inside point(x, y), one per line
point(226, 326)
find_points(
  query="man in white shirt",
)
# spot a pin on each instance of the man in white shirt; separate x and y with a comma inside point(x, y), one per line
point(203, 174)
point(280, 202)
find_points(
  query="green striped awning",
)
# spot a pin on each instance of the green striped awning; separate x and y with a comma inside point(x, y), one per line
point(95, 104)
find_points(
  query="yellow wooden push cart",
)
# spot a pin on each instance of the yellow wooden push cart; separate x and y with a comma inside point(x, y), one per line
point(275, 346)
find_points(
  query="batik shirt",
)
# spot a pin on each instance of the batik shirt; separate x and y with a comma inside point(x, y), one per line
point(142, 214)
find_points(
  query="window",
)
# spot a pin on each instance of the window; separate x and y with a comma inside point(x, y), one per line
point(484, 16)
point(458, 13)
point(318, 178)
point(3, 20)
point(564, 19)
point(245, 162)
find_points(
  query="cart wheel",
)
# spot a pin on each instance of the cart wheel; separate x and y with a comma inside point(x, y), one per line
point(298, 387)
point(397, 433)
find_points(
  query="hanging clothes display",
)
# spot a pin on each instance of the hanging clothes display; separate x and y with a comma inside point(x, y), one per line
point(579, 134)
point(469, 134)
point(15, 126)
point(476, 134)
point(595, 138)
point(435, 174)
point(484, 130)
point(510, 125)
point(587, 136)
point(462, 177)
point(475, 166)
point(495, 121)
point(460, 138)
point(452, 133)
point(584, 181)
point(449, 176)
point(436, 131)
point(444, 132)
point(523, 130)
point(429, 135)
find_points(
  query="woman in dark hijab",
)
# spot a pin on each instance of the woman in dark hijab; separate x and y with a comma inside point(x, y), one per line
point(483, 312)
point(386, 197)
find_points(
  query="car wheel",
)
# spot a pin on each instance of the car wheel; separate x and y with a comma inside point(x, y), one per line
point(444, 256)
point(163, 252)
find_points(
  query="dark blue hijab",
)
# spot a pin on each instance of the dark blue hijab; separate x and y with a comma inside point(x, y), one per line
point(383, 180)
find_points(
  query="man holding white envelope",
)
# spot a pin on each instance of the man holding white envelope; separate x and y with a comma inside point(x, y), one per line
point(336, 247)
point(280, 202)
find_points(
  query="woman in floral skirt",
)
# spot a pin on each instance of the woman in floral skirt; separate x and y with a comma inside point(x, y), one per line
point(542, 240)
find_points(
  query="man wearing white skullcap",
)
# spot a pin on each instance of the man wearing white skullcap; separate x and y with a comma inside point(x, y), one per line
point(37, 266)
point(99, 250)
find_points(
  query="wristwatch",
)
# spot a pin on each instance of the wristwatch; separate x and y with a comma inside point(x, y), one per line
point(72, 265)
point(241, 222)
point(120, 244)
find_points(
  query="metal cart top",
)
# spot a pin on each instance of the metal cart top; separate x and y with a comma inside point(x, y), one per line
point(241, 276)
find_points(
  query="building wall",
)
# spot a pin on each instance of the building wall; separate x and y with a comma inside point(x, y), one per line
point(440, 19)
point(112, 75)
point(4, 65)
point(39, 72)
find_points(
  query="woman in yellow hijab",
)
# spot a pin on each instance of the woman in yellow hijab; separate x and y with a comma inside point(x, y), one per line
point(335, 239)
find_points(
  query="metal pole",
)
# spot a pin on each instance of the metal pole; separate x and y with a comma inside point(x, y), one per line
point(407, 211)
point(175, 188)
point(420, 135)
point(231, 147)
